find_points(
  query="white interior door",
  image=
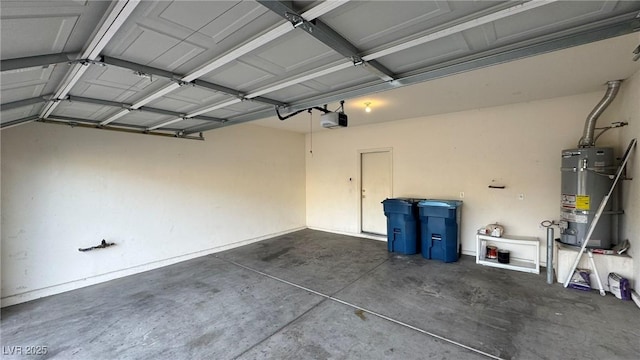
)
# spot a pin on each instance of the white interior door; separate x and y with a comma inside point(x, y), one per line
point(376, 186)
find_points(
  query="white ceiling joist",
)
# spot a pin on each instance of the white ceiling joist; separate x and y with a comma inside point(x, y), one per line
point(173, 121)
point(459, 28)
point(239, 51)
point(118, 15)
point(214, 107)
point(156, 95)
point(115, 117)
point(111, 25)
point(301, 79)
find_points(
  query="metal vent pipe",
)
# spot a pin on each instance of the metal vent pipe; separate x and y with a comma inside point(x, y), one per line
point(588, 139)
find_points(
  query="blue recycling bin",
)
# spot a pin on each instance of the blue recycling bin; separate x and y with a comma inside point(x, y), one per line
point(440, 229)
point(402, 225)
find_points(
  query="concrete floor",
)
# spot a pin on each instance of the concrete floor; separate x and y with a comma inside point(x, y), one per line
point(317, 295)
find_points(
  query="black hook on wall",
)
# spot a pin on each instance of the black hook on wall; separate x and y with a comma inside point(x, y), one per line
point(102, 245)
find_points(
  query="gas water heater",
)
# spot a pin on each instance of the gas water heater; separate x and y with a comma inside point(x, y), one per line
point(586, 180)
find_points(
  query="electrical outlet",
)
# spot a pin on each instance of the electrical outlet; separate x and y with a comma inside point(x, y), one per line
point(520, 196)
point(461, 194)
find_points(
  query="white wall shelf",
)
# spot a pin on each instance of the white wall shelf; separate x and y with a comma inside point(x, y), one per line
point(525, 265)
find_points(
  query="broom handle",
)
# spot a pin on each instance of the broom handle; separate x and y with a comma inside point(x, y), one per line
point(595, 270)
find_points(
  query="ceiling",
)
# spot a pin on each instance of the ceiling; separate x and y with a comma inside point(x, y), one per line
point(577, 70)
point(179, 68)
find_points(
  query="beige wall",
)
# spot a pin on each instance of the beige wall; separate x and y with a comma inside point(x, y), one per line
point(627, 108)
point(161, 200)
point(167, 200)
point(440, 156)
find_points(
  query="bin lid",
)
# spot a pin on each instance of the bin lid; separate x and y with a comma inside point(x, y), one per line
point(402, 200)
point(452, 204)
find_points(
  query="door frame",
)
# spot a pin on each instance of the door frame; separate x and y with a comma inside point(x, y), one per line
point(359, 178)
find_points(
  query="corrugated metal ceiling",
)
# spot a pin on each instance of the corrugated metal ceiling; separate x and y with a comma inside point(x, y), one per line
point(190, 66)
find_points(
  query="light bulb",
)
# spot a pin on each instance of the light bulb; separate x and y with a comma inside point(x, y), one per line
point(367, 108)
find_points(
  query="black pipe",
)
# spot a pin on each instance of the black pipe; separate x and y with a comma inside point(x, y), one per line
point(289, 115)
point(324, 110)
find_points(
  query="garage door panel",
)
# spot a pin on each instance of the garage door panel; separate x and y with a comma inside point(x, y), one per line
point(20, 113)
point(240, 75)
point(427, 54)
point(82, 110)
point(36, 35)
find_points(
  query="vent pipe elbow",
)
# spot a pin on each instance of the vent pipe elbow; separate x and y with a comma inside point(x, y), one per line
point(588, 138)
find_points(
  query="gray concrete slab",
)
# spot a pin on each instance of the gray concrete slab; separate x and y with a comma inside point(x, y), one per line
point(200, 309)
point(509, 314)
point(318, 260)
point(213, 309)
point(335, 331)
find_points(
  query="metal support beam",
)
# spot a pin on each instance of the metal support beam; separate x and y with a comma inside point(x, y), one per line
point(142, 108)
point(195, 129)
point(25, 102)
point(17, 122)
point(69, 120)
point(96, 123)
point(138, 68)
point(150, 71)
point(35, 61)
point(265, 100)
point(72, 121)
point(218, 88)
point(622, 25)
point(236, 93)
point(118, 128)
point(175, 113)
point(72, 98)
point(325, 34)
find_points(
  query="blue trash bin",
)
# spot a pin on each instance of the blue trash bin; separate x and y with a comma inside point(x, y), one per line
point(402, 225)
point(440, 229)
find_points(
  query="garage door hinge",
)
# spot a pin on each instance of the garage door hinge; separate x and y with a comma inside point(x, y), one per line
point(87, 62)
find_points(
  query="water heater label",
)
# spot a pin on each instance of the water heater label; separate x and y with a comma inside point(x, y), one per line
point(568, 154)
point(575, 218)
point(568, 201)
point(582, 202)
